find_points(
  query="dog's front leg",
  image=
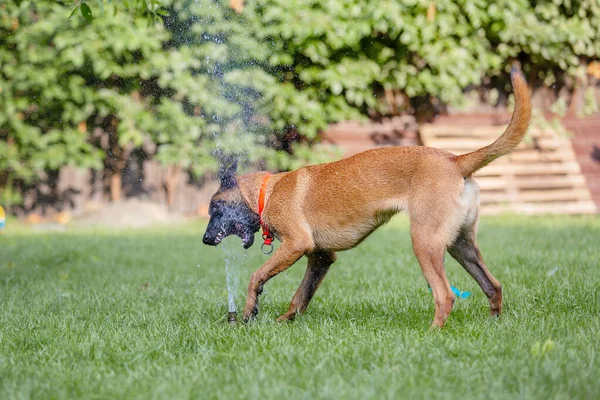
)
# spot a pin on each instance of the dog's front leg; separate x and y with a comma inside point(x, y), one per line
point(318, 265)
point(289, 252)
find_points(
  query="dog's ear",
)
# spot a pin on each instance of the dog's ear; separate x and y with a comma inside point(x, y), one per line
point(227, 172)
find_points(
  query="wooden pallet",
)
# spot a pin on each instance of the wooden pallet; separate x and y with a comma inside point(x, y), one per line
point(541, 177)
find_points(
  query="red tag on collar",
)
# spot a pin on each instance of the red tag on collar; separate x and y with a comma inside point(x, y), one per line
point(267, 235)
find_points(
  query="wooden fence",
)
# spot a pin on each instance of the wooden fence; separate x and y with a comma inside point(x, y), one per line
point(79, 191)
point(586, 143)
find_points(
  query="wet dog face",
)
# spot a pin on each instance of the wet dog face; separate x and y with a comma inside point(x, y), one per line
point(229, 214)
point(230, 218)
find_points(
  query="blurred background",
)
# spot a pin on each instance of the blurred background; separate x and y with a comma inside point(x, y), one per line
point(116, 112)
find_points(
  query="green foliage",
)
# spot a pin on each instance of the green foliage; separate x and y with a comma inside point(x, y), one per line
point(42, 103)
point(62, 78)
point(151, 9)
point(351, 48)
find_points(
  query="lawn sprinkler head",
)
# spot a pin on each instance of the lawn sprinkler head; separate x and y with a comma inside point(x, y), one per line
point(232, 318)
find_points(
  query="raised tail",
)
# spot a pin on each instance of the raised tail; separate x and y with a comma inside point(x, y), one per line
point(471, 162)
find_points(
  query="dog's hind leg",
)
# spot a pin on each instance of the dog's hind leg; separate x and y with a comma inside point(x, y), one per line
point(429, 248)
point(466, 252)
point(290, 251)
point(318, 265)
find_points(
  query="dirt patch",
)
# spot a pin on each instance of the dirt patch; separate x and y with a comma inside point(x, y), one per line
point(129, 213)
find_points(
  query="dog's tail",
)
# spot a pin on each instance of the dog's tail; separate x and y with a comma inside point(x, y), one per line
point(471, 162)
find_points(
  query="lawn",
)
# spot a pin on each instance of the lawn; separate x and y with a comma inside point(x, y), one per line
point(140, 314)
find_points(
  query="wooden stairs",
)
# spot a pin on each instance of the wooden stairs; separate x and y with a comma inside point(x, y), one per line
point(541, 177)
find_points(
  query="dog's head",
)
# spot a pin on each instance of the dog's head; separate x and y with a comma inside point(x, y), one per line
point(229, 213)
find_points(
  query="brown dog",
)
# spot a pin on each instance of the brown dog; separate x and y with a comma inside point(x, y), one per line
point(320, 209)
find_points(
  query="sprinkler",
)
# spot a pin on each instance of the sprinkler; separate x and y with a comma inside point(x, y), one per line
point(232, 317)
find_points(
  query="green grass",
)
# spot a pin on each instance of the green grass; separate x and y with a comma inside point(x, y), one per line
point(141, 315)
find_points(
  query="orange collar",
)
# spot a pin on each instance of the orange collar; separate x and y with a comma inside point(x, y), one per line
point(267, 235)
point(261, 195)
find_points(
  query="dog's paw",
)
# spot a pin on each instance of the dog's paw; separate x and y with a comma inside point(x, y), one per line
point(251, 312)
point(248, 318)
point(288, 316)
point(436, 326)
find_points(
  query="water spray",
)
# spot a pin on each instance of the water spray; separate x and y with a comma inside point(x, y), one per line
point(232, 259)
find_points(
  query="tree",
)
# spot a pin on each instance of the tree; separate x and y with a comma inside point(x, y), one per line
point(44, 109)
point(69, 84)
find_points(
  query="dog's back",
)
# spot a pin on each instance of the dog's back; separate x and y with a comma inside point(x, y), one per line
point(346, 200)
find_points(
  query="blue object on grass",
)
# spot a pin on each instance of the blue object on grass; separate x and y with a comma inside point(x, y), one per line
point(457, 293)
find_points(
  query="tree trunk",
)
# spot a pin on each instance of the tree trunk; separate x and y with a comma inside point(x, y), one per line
point(171, 182)
point(115, 160)
point(115, 186)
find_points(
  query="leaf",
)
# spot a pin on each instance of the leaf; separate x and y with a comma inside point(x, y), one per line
point(73, 11)
point(86, 11)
